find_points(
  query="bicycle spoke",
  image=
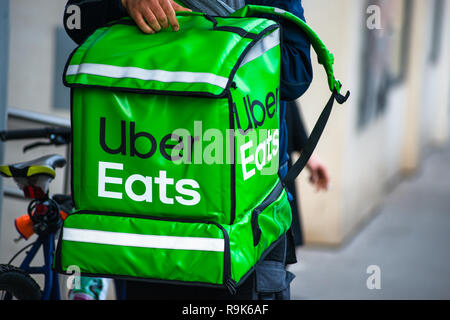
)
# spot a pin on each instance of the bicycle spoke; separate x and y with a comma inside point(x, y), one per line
point(5, 295)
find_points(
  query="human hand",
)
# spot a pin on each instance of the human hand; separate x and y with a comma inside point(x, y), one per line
point(319, 174)
point(153, 15)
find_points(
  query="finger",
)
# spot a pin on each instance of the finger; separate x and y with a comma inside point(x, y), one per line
point(319, 182)
point(322, 184)
point(141, 23)
point(324, 177)
point(177, 7)
point(325, 174)
point(170, 13)
point(314, 178)
point(150, 19)
point(160, 15)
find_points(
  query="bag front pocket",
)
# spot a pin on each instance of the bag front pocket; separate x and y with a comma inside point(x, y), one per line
point(272, 198)
point(134, 246)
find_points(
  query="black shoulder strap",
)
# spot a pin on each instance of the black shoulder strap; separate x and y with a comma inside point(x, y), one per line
point(314, 137)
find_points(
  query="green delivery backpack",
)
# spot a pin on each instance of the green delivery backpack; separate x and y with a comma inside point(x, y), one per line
point(176, 149)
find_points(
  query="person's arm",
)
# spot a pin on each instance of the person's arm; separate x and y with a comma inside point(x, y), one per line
point(297, 135)
point(296, 69)
point(150, 15)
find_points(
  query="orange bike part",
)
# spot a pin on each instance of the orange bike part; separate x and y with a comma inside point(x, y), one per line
point(24, 225)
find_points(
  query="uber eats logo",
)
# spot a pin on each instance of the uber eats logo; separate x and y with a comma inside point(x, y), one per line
point(256, 141)
point(256, 152)
point(256, 111)
point(109, 172)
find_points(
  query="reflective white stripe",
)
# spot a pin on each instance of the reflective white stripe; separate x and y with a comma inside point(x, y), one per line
point(278, 10)
point(262, 46)
point(143, 240)
point(106, 70)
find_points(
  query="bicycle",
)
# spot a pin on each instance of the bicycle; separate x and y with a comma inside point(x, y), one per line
point(44, 216)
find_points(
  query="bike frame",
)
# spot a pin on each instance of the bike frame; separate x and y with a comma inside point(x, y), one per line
point(51, 286)
point(51, 291)
point(51, 283)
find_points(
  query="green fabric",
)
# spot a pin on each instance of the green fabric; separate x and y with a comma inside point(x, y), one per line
point(172, 264)
point(274, 221)
point(126, 46)
point(325, 57)
point(175, 149)
point(141, 110)
point(264, 93)
point(169, 264)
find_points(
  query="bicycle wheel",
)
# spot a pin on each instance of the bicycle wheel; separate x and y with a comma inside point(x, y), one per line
point(17, 284)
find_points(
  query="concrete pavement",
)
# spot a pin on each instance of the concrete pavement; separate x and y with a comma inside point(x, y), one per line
point(408, 239)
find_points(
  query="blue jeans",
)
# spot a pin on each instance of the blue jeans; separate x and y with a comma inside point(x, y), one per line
point(272, 280)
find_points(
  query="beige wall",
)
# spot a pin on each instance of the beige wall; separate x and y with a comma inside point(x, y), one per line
point(30, 85)
point(363, 164)
point(31, 54)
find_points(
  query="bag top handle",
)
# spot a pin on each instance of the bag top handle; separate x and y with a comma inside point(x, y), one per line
point(325, 57)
